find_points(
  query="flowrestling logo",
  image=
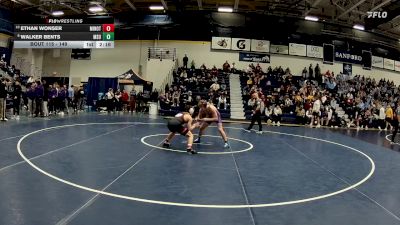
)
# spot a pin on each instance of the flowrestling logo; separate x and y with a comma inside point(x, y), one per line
point(378, 15)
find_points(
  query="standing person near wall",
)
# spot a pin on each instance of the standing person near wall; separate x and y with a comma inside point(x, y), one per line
point(62, 94)
point(124, 100)
point(39, 92)
point(110, 100)
point(395, 123)
point(30, 94)
point(257, 105)
point(75, 100)
point(310, 72)
point(185, 61)
point(70, 95)
point(381, 117)
point(52, 99)
point(132, 100)
point(3, 96)
point(46, 89)
point(17, 99)
point(81, 98)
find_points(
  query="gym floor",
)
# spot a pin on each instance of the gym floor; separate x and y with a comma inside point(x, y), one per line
point(110, 169)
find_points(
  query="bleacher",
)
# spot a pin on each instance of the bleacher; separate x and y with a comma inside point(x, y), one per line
point(270, 90)
point(223, 78)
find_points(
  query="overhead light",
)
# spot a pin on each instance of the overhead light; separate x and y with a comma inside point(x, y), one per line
point(156, 7)
point(358, 27)
point(225, 9)
point(96, 9)
point(57, 13)
point(311, 18)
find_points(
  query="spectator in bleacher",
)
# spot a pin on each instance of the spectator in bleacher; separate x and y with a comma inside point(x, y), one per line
point(317, 74)
point(16, 99)
point(214, 71)
point(300, 115)
point(3, 63)
point(366, 119)
point(330, 84)
point(258, 68)
point(185, 61)
point(222, 101)
point(3, 96)
point(176, 97)
point(334, 122)
point(310, 72)
point(277, 116)
point(309, 115)
point(184, 74)
point(304, 73)
point(226, 67)
point(215, 86)
point(30, 80)
point(268, 113)
point(289, 106)
point(233, 68)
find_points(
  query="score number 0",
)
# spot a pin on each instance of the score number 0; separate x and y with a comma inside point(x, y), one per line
point(108, 27)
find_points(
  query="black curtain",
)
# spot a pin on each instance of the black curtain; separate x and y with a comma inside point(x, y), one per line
point(96, 85)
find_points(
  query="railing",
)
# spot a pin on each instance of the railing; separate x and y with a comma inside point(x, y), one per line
point(161, 53)
point(170, 77)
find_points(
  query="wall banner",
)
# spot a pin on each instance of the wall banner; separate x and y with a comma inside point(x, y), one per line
point(377, 61)
point(348, 57)
point(397, 65)
point(315, 51)
point(388, 64)
point(259, 45)
point(221, 43)
point(254, 57)
point(241, 44)
point(297, 49)
point(279, 49)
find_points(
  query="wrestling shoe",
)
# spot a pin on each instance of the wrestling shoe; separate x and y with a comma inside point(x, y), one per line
point(166, 144)
point(226, 145)
point(189, 150)
point(197, 141)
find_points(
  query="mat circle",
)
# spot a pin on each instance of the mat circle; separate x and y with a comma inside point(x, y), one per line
point(143, 140)
point(181, 204)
